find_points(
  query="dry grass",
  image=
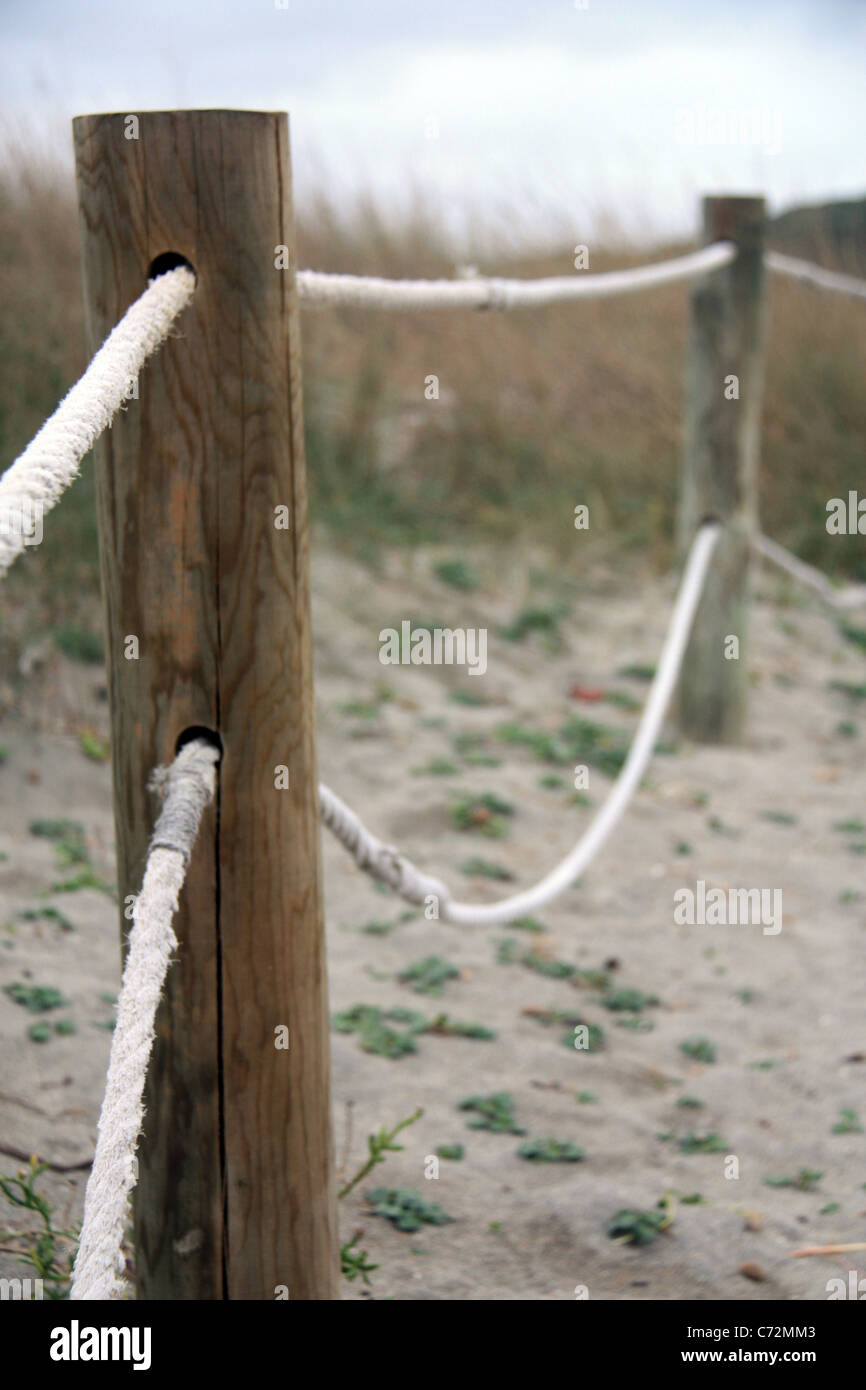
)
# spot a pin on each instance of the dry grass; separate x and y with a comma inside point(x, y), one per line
point(538, 410)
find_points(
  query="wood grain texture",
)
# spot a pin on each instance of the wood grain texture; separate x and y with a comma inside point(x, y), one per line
point(236, 1190)
point(720, 465)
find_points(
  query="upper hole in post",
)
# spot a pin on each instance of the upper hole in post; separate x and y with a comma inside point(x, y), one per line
point(169, 260)
point(199, 731)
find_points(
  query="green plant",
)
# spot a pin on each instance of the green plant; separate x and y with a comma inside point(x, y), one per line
point(372, 1025)
point(80, 644)
point(854, 691)
point(850, 827)
point(379, 1146)
point(68, 837)
point(702, 1144)
point(628, 1000)
point(849, 1122)
point(405, 1209)
point(551, 1151)
point(374, 1035)
point(548, 1017)
point(779, 817)
point(622, 699)
point(484, 813)
point(698, 1048)
point(690, 1103)
point(485, 868)
point(633, 1227)
point(50, 914)
point(468, 697)
point(493, 1112)
point(360, 709)
point(578, 740)
point(805, 1181)
point(637, 672)
point(452, 1028)
point(508, 950)
point(37, 998)
point(93, 747)
point(552, 782)
point(453, 1152)
point(544, 965)
point(428, 976)
point(586, 1098)
point(437, 767)
point(42, 1256)
point(458, 575)
point(542, 620)
point(354, 1262)
point(528, 924)
point(591, 979)
point(857, 635)
point(85, 878)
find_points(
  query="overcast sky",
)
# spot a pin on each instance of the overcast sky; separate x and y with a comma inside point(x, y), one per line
point(631, 106)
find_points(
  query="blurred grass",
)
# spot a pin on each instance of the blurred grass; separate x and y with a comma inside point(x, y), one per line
point(537, 411)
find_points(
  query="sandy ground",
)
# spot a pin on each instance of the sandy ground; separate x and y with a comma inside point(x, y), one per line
point(791, 1002)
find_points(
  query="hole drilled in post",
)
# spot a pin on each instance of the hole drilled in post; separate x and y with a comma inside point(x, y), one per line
point(198, 731)
point(169, 260)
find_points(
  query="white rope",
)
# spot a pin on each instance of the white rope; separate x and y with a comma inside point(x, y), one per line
point(379, 860)
point(816, 275)
point(186, 786)
point(851, 597)
point(383, 862)
point(322, 290)
point(37, 479)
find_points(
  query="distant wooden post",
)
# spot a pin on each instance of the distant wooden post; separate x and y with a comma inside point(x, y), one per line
point(235, 1198)
point(724, 383)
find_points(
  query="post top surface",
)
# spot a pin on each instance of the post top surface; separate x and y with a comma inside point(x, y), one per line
point(176, 114)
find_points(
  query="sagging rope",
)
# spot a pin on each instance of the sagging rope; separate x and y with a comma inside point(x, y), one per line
point(321, 290)
point(186, 787)
point(850, 597)
point(815, 275)
point(317, 289)
point(387, 864)
point(38, 477)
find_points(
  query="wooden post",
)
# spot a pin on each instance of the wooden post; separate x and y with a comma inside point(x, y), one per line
point(236, 1193)
point(724, 383)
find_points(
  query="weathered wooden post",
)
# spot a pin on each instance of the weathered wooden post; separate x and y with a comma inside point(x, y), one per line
point(724, 384)
point(195, 484)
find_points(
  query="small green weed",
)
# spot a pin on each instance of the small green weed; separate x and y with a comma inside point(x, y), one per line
point(551, 1151)
point(429, 976)
point(700, 1049)
point(405, 1209)
point(805, 1181)
point(493, 1112)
